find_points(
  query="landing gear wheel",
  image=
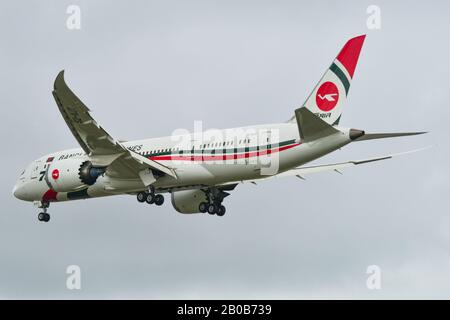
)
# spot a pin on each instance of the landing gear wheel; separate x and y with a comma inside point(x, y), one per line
point(150, 198)
point(212, 208)
point(45, 217)
point(141, 196)
point(159, 199)
point(203, 207)
point(221, 210)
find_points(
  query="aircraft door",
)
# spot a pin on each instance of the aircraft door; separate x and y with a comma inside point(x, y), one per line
point(35, 169)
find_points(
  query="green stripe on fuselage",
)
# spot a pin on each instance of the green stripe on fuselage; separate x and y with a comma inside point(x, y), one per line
point(220, 150)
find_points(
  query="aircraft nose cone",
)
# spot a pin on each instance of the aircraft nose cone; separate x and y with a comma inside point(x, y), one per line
point(19, 192)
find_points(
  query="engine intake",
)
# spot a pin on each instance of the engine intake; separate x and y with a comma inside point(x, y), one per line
point(88, 173)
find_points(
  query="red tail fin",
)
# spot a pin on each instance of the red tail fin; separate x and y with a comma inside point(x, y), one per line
point(350, 53)
point(328, 97)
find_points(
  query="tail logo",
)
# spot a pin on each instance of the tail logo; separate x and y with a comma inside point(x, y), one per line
point(327, 96)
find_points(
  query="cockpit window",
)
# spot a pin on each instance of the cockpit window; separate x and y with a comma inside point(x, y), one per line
point(22, 172)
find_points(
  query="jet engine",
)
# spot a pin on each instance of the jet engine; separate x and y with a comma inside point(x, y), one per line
point(72, 174)
point(88, 173)
point(188, 201)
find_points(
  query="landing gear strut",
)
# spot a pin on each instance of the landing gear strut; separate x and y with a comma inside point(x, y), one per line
point(213, 205)
point(44, 216)
point(150, 197)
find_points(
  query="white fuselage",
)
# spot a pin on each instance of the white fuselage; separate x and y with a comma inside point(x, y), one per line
point(199, 160)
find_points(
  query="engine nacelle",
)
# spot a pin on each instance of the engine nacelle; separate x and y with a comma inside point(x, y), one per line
point(188, 201)
point(72, 174)
point(88, 173)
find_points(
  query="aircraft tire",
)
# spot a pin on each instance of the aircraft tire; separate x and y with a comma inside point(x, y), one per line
point(221, 210)
point(159, 199)
point(212, 209)
point(203, 207)
point(150, 198)
point(44, 217)
point(141, 196)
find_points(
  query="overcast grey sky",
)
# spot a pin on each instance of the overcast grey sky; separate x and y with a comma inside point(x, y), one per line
point(146, 68)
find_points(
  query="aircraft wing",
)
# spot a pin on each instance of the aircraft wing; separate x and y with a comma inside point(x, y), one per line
point(102, 149)
point(301, 172)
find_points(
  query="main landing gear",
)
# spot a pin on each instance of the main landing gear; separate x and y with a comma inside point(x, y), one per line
point(213, 205)
point(150, 197)
point(44, 216)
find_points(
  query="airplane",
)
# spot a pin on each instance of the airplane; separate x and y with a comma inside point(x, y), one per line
point(197, 169)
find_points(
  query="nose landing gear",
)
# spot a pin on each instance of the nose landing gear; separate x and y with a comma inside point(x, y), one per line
point(43, 216)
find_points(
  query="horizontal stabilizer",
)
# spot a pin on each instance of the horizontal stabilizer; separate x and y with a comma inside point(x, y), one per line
point(311, 127)
point(372, 136)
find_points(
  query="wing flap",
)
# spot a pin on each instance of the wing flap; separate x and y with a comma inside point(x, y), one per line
point(153, 164)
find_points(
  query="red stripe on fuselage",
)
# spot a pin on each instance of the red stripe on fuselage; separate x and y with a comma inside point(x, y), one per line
point(221, 156)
